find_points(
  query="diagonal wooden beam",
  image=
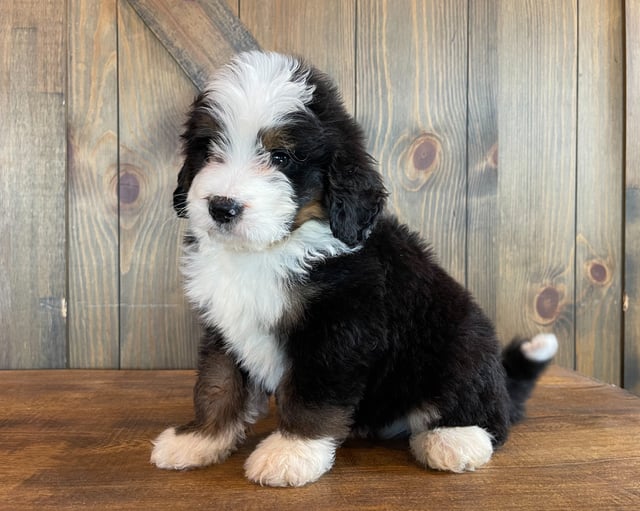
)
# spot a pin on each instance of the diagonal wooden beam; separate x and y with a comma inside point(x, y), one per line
point(199, 34)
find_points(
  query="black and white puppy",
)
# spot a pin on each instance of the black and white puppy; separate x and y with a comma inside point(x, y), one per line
point(308, 290)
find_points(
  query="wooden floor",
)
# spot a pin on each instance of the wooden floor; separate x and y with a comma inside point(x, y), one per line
point(81, 440)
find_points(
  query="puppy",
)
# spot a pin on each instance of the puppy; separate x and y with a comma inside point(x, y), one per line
point(308, 290)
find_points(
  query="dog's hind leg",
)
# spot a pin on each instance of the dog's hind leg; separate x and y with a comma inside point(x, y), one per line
point(224, 404)
point(455, 449)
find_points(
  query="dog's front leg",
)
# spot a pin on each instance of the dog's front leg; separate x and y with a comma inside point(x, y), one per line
point(303, 448)
point(224, 404)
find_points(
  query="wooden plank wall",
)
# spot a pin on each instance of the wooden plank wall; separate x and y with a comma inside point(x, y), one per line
point(498, 124)
point(632, 200)
point(418, 135)
point(599, 217)
point(33, 261)
point(153, 312)
point(94, 295)
point(537, 54)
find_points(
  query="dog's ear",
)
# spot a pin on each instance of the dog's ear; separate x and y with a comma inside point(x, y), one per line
point(355, 193)
point(200, 129)
point(180, 195)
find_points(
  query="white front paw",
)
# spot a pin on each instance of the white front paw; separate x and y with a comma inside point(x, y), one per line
point(290, 461)
point(190, 450)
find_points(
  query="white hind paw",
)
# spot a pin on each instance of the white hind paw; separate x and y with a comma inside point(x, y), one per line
point(541, 348)
point(458, 449)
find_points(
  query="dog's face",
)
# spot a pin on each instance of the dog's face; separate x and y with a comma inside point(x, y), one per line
point(269, 146)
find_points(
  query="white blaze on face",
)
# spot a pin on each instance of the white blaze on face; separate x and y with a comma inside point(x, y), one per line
point(266, 195)
point(256, 92)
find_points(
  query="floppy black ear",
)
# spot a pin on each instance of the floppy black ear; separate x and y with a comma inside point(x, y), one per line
point(199, 130)
point(356, 195)
point(180, 194)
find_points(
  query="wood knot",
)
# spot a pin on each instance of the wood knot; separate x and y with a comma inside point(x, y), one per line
point(547, 305)
point(598, 272)
point(492, 158)
point(425, 153)
point(419, 160)
point(129, 187)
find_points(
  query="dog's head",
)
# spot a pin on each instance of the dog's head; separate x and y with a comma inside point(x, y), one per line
point(269, 146)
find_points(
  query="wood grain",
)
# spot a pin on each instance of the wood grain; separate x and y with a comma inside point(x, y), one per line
point(411, 99)
point(33, 186)
point(157, 327)
point(537, 232)
point(322, 32)
point(200, 35)
point(92, 118)
point(632, 199)
point(600, 156)
point(234, 7)
point(537, 52)
point(483, 155)
point(81, 440)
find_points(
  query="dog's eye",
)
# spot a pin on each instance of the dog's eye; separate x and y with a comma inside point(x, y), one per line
point(280, 157)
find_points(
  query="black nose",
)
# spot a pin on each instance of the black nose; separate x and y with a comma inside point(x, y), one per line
point(224, 209)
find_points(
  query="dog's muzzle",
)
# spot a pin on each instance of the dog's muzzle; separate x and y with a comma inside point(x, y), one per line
point(223, 209)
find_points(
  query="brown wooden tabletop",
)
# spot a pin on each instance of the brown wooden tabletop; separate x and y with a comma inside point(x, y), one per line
point(82, 440)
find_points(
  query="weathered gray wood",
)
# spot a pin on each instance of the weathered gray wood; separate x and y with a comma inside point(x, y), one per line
point(32, 189)
point(157, 327)
point(538, 233)
point(537, 52)
point(92, 118)
point(200, 35)
point(482, 155)
point(632, 199)
point(411, 98)
point(322, 32)
point(599, 247)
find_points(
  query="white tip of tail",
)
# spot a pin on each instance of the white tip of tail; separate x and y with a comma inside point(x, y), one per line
point(541, 348)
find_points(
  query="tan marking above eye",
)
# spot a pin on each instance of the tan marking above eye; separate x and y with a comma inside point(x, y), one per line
point(275, 138)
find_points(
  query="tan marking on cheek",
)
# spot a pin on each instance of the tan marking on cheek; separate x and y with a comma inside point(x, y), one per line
point(311, 211)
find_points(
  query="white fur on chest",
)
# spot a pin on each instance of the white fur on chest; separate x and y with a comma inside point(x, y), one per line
point(245, 294)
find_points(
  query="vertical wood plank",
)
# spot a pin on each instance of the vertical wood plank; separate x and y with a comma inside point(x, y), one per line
point(93, 185)
point(537, 51)
point(32, 189)
point(600, 161)
point(157, 327)
point(632, 200)
point(322, 32)
point(482, 155)
point(411, 98)
point(234, 7)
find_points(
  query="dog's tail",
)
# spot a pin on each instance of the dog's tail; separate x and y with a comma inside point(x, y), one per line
point(524, 360)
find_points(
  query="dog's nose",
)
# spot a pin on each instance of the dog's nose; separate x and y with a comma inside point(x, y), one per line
point(224, 209)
